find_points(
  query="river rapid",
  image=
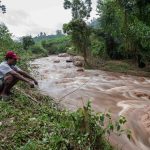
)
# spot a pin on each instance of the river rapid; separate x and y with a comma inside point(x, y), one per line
point(118, 93)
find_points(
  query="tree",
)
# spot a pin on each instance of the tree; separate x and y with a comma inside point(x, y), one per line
point(27, 42)
point(77, 27)
point(128, 22)
point(3, 8)
point(5, 37)
point(58, 32)
point(79, 32)
point(110, 26)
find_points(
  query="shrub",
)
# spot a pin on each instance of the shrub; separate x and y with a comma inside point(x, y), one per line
point(38, 49)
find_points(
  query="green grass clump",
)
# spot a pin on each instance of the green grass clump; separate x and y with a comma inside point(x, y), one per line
point(117, 66)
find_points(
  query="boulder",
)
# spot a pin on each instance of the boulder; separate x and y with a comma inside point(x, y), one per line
point(80, 70)
point(78, 61)
point(78, 58)
point(69, 60)
point(56, 61)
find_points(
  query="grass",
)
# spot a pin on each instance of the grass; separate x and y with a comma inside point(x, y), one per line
point(26, 125)
point(117, 66)
point(123, 66)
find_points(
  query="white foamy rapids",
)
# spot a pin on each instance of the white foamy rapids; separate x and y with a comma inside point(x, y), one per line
point(126, 105)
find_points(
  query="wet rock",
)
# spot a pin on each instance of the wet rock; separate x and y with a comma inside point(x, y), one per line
point(78, 58)
point(56, 61)
point(78, 61)
point(63, 55)
point(69, 60)
point(80, 70)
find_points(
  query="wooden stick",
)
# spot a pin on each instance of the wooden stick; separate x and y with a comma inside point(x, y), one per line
point(33, 99)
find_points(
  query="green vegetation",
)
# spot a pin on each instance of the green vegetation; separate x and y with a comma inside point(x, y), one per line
point(29, 125)
point(56, 45)
point(120, 32)
point(29, 120)
point(125, 26)
point(2, 8)
point(27, 41)
point(77, 27)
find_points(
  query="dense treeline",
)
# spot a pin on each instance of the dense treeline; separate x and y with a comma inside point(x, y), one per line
point(126, 27)
point(122, 32)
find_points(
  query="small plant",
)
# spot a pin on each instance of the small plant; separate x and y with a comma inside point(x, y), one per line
point(84, 130)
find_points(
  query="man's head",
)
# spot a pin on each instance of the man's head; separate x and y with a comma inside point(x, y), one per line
point(11, 57)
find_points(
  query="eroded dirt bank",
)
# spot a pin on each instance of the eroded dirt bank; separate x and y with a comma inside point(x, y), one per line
point(120, 94)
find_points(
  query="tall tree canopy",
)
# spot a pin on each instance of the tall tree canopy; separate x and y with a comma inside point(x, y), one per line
point(2, 8)
point(5, 37)
point(77, 27)
point(27, 42)
point(127, 21)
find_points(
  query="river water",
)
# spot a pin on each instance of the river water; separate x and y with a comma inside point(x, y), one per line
point(120, 94)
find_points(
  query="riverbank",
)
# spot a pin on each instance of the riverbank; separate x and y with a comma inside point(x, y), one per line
point(30, 120)
point(127, 67)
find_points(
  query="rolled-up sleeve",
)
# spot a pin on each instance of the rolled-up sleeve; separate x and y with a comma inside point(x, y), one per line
point(16, 68)
point(5, 69)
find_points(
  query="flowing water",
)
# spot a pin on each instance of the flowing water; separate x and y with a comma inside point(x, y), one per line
point(120, 94)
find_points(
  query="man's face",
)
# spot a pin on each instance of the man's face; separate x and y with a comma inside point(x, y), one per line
point(13, 61)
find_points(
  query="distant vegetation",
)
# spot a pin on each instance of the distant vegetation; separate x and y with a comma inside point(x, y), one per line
point(43, 36)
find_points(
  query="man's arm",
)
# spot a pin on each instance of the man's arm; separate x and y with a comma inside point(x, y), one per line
point(25, 74)
point(20, 77)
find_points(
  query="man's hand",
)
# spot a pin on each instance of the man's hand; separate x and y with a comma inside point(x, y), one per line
point(35, 82)
point(31, 84)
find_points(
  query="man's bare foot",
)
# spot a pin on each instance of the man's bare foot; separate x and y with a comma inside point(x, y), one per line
point(4, 97)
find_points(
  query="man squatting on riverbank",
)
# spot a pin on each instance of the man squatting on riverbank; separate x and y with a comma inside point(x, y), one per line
point(10, 74)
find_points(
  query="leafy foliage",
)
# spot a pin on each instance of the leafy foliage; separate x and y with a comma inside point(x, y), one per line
point(2, 8)
point(27, 42)
point(126, 22)
point(79, 32)
point(38, 49)
point(56, 45)
point(78, 28)
point(80, 9)
point(45, 126)
point(5, 38)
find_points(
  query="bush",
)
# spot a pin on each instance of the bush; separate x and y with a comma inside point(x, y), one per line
point(38, 49)
point(85, 130)
point(56, 45)
point(71, 51)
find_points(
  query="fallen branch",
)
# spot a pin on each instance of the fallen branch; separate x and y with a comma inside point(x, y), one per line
point(27, 95)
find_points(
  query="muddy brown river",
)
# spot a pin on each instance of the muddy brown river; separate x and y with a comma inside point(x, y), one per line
point(120, 94)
